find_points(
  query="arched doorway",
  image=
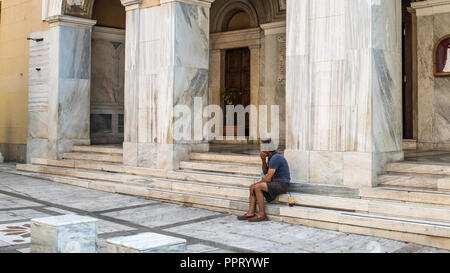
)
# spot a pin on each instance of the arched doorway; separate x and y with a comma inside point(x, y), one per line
point(237, 70)
point(107, 73)
point(247, 63)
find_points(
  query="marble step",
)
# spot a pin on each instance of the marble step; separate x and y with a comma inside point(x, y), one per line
point(114, 158)
point(407, 195)
point(227, 158)
point(85, 174)
point(419, 168)
point(203, 177)
point(328, 202)
point(98, 149)
point(196, 176)
point(242, 169)
point(80, 164)
point(415, 181)
point(430, 233)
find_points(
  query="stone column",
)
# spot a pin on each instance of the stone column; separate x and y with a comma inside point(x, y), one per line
point(69, 83)
point(344, 90)
point(167, 62)
point(274, 88)
point(216, 76)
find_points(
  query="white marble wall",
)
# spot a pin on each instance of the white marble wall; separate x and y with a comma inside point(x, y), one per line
point(433, 112)
point(69, 84)
point(167, 62)
point(343, 93)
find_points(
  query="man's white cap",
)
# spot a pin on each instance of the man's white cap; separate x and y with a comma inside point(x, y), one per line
point(268, 145)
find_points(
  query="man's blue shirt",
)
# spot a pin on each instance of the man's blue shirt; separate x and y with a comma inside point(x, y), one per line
point(279, 163)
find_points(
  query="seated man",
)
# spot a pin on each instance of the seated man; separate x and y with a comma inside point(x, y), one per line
point(276, 181)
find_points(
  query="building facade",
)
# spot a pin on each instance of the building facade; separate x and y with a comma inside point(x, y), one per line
point(352, 79)
point(129, 96)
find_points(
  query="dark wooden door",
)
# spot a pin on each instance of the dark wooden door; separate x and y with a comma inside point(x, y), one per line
point(408, 98)
point(237, 78)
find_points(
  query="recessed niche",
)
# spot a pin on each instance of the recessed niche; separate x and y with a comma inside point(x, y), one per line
point(442, 57)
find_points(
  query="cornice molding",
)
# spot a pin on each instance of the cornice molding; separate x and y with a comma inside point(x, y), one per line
point(430, 7)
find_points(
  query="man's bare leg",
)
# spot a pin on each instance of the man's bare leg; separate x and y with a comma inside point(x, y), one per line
point(259, 189)
point(252, 206)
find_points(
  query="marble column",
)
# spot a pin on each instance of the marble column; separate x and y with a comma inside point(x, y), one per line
point(167, 62)
point(274, 81)
point(343, 90)
point(69, 84)
point(216, 76)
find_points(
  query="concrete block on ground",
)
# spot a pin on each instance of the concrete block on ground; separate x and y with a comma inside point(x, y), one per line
point(146, 243)
point(64, 234)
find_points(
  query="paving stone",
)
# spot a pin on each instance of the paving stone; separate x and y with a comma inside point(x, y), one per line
point(200, 248)
point(24, 214)
point(15, 233)
point(225, 231)
point(102, 226)
point(3, 243)
point(160, 214)
point(7, 202)
point(24, 250)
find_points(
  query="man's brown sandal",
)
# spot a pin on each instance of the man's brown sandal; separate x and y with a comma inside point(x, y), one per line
point(245, 217)
point(258, 218)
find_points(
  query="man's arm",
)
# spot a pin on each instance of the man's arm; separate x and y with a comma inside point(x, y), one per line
point(265, 168)
point(268, 177)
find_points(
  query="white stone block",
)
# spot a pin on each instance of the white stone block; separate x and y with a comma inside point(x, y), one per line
point(1, 158)
point(146, 243)
point(64, 234)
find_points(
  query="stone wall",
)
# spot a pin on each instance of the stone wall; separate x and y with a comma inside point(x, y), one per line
point(433, 92)
point(18, 20)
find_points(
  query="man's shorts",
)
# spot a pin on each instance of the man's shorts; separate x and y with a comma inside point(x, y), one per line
point(275, 189)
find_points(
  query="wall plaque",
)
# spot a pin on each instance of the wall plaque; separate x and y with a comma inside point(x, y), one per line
point(442, 57)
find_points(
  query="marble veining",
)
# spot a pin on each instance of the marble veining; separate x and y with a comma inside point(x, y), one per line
point(347, 97)
point(167, 66)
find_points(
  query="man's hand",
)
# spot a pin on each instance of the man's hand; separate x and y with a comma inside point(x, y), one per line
point(263, 155)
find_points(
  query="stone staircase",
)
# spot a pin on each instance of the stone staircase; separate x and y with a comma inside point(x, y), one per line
point(430, 175)
point(220, 182)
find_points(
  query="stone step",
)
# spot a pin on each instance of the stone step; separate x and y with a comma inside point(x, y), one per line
point(227, 158)
point(197, 176)
point(203, 177)
point(430, 233)
point(407, 195)
point(239, 193)
point(415, 181)
point(419, 168)
point(98, 149)
point(80, 164)
point(114, 158)
point(221, 167)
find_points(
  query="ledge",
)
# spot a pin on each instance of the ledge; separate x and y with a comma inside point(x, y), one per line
point(431, 7)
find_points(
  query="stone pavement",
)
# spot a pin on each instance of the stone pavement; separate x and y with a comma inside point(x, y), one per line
point(23, 198)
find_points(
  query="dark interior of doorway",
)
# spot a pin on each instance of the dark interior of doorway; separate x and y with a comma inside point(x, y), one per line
point(407, 64)
point(237, 81)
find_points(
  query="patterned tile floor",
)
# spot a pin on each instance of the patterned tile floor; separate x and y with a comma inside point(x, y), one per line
point(24, 198)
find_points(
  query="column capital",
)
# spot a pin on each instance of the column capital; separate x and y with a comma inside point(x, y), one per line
point(72, 21)
point(274, 28)
point(203, 3)
point(131, 4)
